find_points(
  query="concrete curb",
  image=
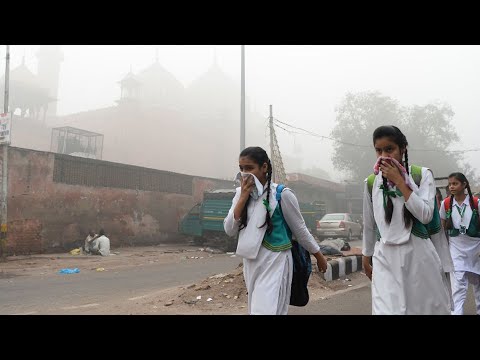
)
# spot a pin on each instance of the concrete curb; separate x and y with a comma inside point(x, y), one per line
point(343, 266)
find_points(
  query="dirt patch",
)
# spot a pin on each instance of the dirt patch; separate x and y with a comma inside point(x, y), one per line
point(46, 264)
point(222, 290)
point(227, 294)
point(219, 294)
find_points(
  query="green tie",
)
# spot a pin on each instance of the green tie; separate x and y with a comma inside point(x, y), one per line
point(392, 193)
point(464, 207)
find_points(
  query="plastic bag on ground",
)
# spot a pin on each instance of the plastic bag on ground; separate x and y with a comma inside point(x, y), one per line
point(69, 271)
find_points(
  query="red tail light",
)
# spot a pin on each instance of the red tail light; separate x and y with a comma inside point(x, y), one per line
point(318, 224)
point(342, 225)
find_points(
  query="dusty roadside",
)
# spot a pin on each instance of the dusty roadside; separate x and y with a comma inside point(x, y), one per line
point(218, 294)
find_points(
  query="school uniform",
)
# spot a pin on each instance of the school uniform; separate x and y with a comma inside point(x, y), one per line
point(408, 275)
point(465, 252)
point(267, 258)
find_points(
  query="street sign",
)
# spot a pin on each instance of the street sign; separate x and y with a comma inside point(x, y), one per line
point(5, 126)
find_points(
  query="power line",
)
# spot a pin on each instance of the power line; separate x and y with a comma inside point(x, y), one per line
point(311, 133)
point(320, 136)
point(288, 131)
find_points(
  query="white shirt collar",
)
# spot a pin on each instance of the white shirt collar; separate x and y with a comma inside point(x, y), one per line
point(466, 201)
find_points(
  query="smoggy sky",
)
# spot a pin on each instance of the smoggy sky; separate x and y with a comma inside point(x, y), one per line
point(303, 83)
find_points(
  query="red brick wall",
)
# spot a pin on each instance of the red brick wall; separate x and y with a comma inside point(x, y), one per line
point(200, 185)
point(47, 216)
point(25, 235)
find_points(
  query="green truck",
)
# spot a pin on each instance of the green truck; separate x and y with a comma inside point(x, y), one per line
point(204, 222)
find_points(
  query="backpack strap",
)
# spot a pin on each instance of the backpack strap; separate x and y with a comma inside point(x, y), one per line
point(446, 203)
point(370, 180)
point(278, 195)
point(416, 172)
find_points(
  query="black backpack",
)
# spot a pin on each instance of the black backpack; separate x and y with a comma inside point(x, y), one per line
point(302, 266)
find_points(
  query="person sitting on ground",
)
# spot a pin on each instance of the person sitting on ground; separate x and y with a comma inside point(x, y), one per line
point(101, 245)
point(90, 241)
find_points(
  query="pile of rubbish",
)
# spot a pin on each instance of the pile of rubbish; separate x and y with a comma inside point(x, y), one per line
point(334, 247)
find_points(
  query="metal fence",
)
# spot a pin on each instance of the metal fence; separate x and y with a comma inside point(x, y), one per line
point(95, 173)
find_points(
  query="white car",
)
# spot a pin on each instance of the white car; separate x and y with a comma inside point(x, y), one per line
point(338, 225)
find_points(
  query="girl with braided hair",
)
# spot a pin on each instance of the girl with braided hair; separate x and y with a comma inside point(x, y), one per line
point(459, 213)
point(400, 221)
point(264, 230)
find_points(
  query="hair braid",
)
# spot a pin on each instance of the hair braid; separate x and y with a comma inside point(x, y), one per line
point(389, 209)
point(407, 215)
point(472, 203)
point(243, 217)
point(268, 220)
point(406, 161)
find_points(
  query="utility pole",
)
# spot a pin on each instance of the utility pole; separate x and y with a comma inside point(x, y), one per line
point(242, 102)
point(278, 171)
point(3, 225)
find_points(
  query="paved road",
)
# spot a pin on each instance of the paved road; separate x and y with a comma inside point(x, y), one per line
point(356, 301)
point(33, 294)
point(37, 294)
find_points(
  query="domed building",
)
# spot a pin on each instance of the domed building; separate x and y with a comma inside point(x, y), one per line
point(159, 88)
point(33, 98)
point(213, 109)
point(50, 58)
point(27, 94)
point(213, 106)
point(129, 90)
point(144, 127)
point(152, 87)
point(157, 122)
point(213, 93)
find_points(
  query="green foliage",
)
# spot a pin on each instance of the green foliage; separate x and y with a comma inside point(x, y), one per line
point(426, 127)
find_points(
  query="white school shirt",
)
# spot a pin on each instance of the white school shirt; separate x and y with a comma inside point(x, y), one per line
point(465, 250)
point(456, 218)
point(256, 217)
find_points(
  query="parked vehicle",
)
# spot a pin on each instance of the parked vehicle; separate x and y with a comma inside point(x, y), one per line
point(338, 225)
point(312, 213)
point(358, 218)
point(204, 222)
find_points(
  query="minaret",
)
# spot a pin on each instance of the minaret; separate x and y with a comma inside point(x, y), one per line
point(49, 61)
point(129, 87)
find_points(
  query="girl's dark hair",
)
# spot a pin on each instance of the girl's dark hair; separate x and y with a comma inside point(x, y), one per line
point(260, 157)
point(398, 138)
point(439, 195)
point(462, 178)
